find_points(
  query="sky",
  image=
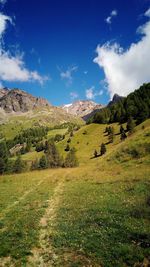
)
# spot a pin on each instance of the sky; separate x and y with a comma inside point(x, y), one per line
point(69, 50)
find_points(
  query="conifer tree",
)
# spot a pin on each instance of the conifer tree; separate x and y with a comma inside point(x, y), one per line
point(71, 159)
point(19, 165)
point(52, 155)
point(3, 156)
point(28, 146)
point(123, 136)
point(71, 134)
point(130, 125)
point(67, 148)
point(43, 162)
point(121, 129)
point(102, 149)
point(111, 135)
point(95, 154)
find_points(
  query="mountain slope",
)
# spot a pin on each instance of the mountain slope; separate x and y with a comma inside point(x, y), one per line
point(20, 110)
point(16, 100)
point(82, 108)
point(136, 105)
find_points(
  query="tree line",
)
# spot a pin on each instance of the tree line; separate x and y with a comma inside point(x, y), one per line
point(135, 105)
point(50, 159)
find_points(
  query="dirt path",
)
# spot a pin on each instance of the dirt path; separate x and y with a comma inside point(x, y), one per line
point(44, 256)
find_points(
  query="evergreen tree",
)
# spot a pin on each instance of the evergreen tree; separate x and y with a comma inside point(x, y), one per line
point(71, 134)
point(67, 148)
point(95, 154)
point(130, 125)
point(71, 159)
point(2, 165)
point(19, 165)
point(39, 147)
point(121, 129)
point(103, 149)
point(3, 156)
point(3, 150)
point(111, 134)
point(43, 162)
point(9, 166)
point(52, 155)
point(28, 146)
point(106, 130)
point(123, 136)
point(69, 140)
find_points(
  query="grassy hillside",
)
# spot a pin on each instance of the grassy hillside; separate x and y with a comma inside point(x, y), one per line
point(12, 124)
point(94, 215)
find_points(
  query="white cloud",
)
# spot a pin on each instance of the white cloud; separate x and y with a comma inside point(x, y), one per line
point(85, 72)
point(3, 2)
point(126, 70)
point(147, 13)
point(12, 68)
point(113, 13)
point(3, 23)
point(91, 93)
point(74, 95)
point(68, 74)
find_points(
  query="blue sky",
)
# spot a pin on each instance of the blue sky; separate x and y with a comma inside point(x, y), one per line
point(48, 47)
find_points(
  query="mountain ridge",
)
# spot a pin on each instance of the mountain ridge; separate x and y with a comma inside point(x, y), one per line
point(16, 101)
point(82, 108)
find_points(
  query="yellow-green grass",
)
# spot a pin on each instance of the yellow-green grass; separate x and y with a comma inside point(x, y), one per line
point(19, 220)
point(102, 218)
point(14, 126)
point(52, 133)
point(85, 144)
point(16, 123)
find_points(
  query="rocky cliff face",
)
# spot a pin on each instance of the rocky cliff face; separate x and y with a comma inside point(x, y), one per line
point(82, 108)
point(115, 99)
point(16, 100)
point(3, 91)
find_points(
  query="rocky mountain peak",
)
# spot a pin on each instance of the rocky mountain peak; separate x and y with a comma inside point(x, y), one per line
point(82, 107)
point(115, 99)
point(16, 100)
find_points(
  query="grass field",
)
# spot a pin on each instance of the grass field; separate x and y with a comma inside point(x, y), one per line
point(95, 215)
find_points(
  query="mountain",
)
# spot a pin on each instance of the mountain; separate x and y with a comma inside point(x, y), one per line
point(16, 100)
point(115, 99)
point(82, 108)
point(28, 110)
point(3, 91)
point(135, 105)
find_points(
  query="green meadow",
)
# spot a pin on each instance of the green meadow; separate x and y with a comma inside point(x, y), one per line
point(97, 214)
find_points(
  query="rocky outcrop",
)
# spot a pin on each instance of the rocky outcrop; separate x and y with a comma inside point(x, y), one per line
point(3, 91)
point(82, 108)
point(16, 100)
point(115, 99)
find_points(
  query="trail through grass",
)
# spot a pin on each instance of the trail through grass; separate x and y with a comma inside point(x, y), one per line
point(95, 215)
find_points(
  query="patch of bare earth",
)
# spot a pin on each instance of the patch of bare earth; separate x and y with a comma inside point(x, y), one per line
point(44, 255)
